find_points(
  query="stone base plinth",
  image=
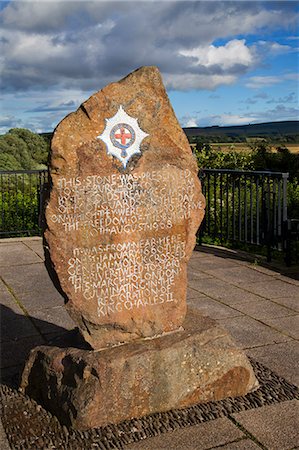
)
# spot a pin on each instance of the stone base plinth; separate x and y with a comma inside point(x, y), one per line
point(87, 389)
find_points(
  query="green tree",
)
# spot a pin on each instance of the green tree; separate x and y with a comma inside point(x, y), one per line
point(209, 158)
point(281, 161)
point(23, 149)
point(9, 162)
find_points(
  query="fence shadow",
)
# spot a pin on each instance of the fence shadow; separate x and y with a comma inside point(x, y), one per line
point(251, 258)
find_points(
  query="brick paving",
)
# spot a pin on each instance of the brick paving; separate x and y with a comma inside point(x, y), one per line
point(259, 306)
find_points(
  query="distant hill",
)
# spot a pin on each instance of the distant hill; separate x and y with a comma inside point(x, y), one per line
point(269, 129)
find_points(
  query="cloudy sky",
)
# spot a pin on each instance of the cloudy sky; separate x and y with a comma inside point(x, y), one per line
point(222, 62)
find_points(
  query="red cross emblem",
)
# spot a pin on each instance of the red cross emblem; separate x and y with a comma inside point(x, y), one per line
point(123, 136)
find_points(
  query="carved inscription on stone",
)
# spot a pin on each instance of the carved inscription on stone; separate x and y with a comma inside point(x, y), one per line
point(127, 275)
point(123, 211)
point(120, 203)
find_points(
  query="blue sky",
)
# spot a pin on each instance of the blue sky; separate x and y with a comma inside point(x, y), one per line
point(223, 62)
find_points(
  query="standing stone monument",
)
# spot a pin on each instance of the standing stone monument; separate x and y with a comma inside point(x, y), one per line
point(124, 208)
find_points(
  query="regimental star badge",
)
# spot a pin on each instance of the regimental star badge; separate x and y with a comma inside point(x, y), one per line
point(122, 136)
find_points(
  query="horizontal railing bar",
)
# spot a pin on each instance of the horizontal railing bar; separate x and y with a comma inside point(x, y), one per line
point(32, 230)
point(22, 172)
point(247, 172)
point(223, 171)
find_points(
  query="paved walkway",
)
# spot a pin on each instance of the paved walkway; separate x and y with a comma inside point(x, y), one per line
point(259, 306)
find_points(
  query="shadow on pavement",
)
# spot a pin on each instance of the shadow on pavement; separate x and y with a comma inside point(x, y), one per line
point(19, 334)
point(251, 258)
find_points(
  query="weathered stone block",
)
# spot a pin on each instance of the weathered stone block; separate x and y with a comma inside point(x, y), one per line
point(124, 209)
point(86, 389)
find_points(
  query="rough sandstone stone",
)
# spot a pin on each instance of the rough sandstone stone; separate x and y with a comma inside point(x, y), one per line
point(124, 207)
point(87, 389)
point(119, 237)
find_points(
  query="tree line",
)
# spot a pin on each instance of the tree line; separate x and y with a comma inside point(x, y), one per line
point(21, 149)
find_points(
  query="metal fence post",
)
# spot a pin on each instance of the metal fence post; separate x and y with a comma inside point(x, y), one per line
point(285, 223)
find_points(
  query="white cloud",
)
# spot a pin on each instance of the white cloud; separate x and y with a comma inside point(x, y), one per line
point(192, 122)
point(280, 112)
point(233, 119)
point(290, 98)
point(260, 82)
point(292, 76)
point(9, 121)
point(233, 53)
point(279, 48)
point(38, 15)
point(274, 48)
point(194, 81)
point(54, 49)
point(25, 49)
point(86, 44)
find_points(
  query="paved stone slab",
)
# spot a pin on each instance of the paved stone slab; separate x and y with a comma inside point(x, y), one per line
point(211, 263)
point(31, 279)
point(280, 271)
point(199, 253)
point(15, 326)
point(289, 302)
point(14, 353)
point(15, 254)
point(276, 427)
point(48, 320)
point(243, 444)
point(240, 275)
point(287, 325)
point(251, 333)
point(200, 437)
point(275, 289)
point(195, 274)
point(280, 358)
point(191, 293)
point(212, 308)
point(262, 269)
point(226, 254)
point(7, 299)
point(287, 279)
point(32, 286)
point(263, 309)
point(220, 290)
point(36, 245)
point(5, 295)
point(39, 300)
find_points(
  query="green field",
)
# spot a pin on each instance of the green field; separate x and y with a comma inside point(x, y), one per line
point(245, 147)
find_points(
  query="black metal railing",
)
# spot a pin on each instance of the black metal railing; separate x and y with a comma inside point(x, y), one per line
point(243, 207)
point(20, 201)
point(246, 207)
point(291, 249)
